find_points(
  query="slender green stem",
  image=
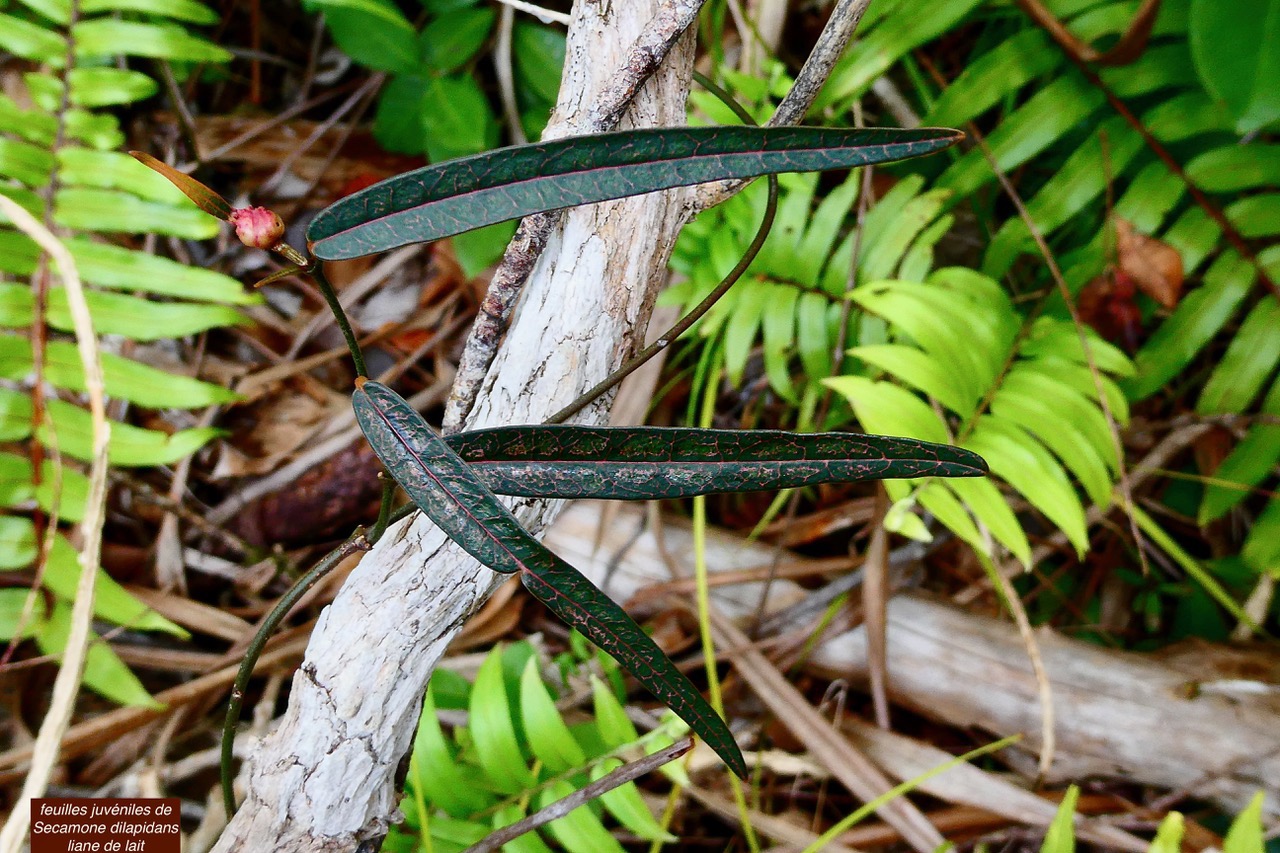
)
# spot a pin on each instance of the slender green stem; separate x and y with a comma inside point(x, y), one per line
point(356, 542)
point(339, 316)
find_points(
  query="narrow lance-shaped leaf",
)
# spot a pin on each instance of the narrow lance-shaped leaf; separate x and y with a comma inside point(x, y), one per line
point(459, 195)
point(446, 489)
point(652, 463)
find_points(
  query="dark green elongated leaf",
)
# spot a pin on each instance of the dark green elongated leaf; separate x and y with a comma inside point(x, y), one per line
point(651, 463)
point(459, 195)
point(446, 489)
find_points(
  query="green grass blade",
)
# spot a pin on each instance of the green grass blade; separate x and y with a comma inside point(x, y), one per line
point(459, 195)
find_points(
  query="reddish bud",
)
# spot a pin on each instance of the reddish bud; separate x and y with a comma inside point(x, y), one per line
point(257, 227)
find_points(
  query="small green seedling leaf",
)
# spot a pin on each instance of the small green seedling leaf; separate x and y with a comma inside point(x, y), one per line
point(1061, 837)
point(459, 195)
point(1245, 834)
point(1169, 836)
point(446, 489)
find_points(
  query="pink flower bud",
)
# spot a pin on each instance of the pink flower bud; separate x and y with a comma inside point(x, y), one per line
point(257, 227)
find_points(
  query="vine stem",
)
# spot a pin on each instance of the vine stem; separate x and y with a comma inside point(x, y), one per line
point(316, 268)
point(357, 541)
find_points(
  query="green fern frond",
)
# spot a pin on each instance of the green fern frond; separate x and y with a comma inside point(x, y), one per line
point(58, 160)
point(1027, 402)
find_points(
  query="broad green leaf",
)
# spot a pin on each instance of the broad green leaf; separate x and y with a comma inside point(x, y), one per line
point(547, 733)
point(995, 74)
point(1029, 382)
point(449, 835)
point(1234, 49)
point(811, 334)
point(616, 729)
point(397, 125)
point(1256, 216)
point(881, 258)
point(648, 463)
point(110, 600)
point(876, 51)
point(104, 672)
point(1245, 834)
point(125, 379)
point(106, 37)
point(437, 772)
point(64, 487)
point(778, 331)
point(1053, 338)
point(456, 121)
point(580, 831)
point(375, 33)
point(448, 198)
point(451, 40)
point(492, 728)
point(1060, 434)
point(539, 57)
point(15, 415)
point(449, 492)
point(740, 335)
point(57, 11)
point(931, 375)
point(1061, 837)
point(477, 250)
